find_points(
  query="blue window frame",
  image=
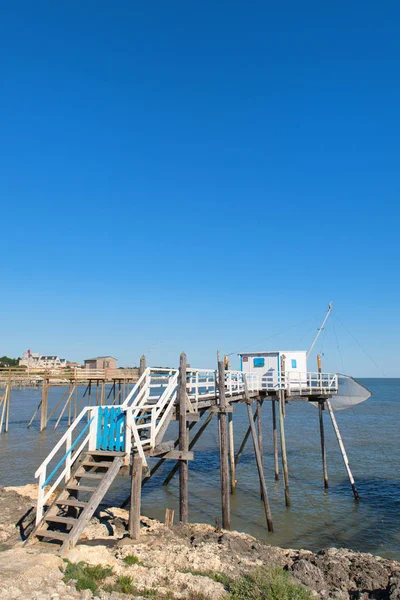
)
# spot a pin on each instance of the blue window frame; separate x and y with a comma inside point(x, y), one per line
point(259, 362)
point(294, 363)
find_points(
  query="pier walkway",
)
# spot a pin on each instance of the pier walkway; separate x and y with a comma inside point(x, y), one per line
point(99, 443)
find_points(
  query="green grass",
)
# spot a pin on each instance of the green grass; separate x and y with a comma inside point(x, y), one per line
point(87, 577)
point(132, 559)
point(214, 575)
point(266, 583)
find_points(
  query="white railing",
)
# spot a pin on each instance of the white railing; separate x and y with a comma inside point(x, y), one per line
point(298, 383)
point(73, 448)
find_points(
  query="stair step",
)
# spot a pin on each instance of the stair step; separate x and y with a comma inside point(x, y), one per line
point(80, 488)
point(66, 520)
point(105, 453)
point(92, 463)
point(53, 535)
point(87, 475)
point(71, 502)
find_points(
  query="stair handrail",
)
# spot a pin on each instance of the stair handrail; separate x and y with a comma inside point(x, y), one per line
point(138, 386)
point(68, 458)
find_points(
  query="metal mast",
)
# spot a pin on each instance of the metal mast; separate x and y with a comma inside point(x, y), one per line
point(320, 329)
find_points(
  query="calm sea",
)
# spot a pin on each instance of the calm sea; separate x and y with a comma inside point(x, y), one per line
point(315, 520)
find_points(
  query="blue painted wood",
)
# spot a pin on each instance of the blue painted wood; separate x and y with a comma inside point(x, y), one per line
point(111, 429)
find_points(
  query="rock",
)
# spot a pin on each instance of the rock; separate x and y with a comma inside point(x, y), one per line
point(309, 575)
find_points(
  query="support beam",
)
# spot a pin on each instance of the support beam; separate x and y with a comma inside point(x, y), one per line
point(342, 449)
point(223, 449)
point(183, 442)
point(243, 444)
point(323, 447)
point(136, 490)
point(260, 434)
point(283, 446)
point(232, 453)
point(275, 439)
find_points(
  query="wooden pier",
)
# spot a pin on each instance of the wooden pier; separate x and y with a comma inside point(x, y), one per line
point(120, 437)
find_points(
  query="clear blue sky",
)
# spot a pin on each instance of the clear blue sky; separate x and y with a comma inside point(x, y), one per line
point(190, 176)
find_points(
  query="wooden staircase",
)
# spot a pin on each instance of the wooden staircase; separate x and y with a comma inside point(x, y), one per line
point(71, 511)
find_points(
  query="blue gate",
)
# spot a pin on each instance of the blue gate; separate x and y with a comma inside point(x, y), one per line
point(111, 429)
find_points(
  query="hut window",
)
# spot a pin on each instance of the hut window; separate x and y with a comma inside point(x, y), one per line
point(259, 362)
point(294, 363)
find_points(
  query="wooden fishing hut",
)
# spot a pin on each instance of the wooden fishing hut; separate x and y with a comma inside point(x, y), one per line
point(104, 441)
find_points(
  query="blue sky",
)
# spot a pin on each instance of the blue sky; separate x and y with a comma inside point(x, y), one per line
point(200, 175)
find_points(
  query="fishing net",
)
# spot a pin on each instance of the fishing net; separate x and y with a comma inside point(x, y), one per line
point(350, 393)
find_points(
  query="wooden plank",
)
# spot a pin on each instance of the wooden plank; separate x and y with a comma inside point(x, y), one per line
point(53, 535)
point(56, 519)
point(93, 503)
point(136, 490)
point(179, 455)
point(71, 502)
point(80, 488)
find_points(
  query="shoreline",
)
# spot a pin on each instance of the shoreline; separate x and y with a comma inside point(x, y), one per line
point(185, 561)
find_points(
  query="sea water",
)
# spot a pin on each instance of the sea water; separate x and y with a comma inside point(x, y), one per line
point(316, 519)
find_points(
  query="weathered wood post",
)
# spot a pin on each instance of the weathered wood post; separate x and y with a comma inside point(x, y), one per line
point(283, 446)
point(260, 435)
point(136, 491)
point(322, 436)
point(342, 449)
point(232, 453)
point(223, 449)
point(183, 442)
point(275, 439)
point(264, 493)
point(142, 366)
point(45, 397)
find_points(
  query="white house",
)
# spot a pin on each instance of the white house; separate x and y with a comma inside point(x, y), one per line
point(277, 367)
point(37, 361)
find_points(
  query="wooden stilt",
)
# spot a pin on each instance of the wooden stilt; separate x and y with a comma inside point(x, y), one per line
point(97, 392)
point(45, 399)
point(283, 446)
point(342, 449)
point(136, 490)
point(8, 401)
point(103, 392)
point(244, 442)
point(56, 406)
point(223, 449)
point(89, 392)
point(183, 442)
point(232, 453)
point(257, 453)
point(34, 415)
point(322, 437)
point(142, 366)
point(260, 434)
point(67, 403)
point(275, 439)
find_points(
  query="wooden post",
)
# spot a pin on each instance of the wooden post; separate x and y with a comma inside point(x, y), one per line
point(323, 447)
point(43, 413)
point(169, 517)
point(283, 446)
point(8, 400)
point(259, 434)
point(232, 453)
point(136, 489)
point(244, 442)
point(142, 366)
point(257, 453)
point(223, 449)
point(103, 392)
point(183, 442)
point(275, 438)
point(342, 449)
point(89, 391)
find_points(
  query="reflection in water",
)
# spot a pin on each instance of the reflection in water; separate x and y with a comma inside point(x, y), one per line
point(316, 518)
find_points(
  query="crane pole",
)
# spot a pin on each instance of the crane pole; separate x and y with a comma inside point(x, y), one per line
point(320, 329)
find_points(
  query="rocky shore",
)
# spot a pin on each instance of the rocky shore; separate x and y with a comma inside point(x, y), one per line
point(193, 562)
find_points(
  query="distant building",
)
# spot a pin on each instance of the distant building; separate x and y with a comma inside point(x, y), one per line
point(38, 361)
point(101, 362)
